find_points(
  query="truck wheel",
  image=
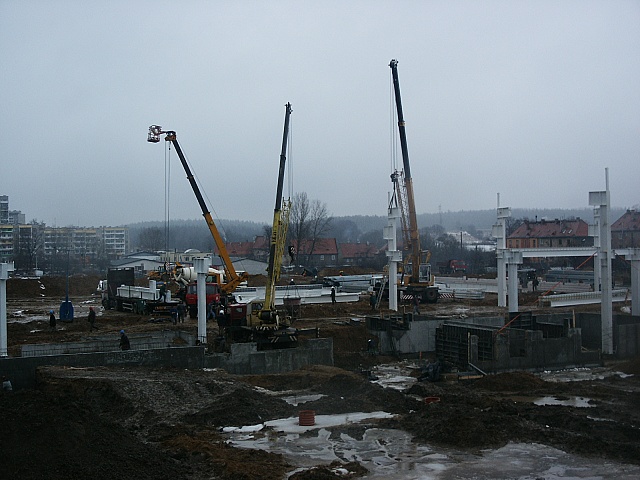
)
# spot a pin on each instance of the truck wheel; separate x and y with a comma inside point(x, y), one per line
point(432, 296)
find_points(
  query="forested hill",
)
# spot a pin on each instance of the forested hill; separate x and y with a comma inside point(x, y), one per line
point(185, 234)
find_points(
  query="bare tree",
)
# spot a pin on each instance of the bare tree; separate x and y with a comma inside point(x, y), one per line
point(151, 238)
point(299, 219)
point(319, 223)
point(309, 221)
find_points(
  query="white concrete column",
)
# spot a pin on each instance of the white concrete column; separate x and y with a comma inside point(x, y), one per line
point(635, 282)
point(602, 200)
point(595, 233)
point(5, 268)
point(499, 231)
point(202, 267)
point(513, 261)
point(394, 255)
point(632, 255)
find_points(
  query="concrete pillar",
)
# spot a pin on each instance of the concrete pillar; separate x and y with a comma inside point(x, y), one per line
point(595, 233)
point(632, 255)
point(602, 200)
point(513, 259)
point(202, 268)
point(5, 268)
point(394, 255)
point(499, 231)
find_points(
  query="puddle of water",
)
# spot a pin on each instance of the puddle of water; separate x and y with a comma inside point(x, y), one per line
point(396, 376)
point(578, 402)
point(391, 454)
point(579, 374)
point(296, 400)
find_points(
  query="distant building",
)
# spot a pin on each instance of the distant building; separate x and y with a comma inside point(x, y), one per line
point(358, 254)
point(238, 249)
point(321, 253)
point(625, 232)
point(261, 248)
point(86, 243)
point(551, 234)
point(4, 209)
point(6, 242)
point(188, 257)
point(142, 262)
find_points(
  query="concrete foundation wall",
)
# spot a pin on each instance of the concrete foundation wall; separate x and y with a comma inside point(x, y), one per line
point(540, 353)
point(109, 343)
point(22, 370)
point(421, 334)
point(626, 333)
point(244, 359)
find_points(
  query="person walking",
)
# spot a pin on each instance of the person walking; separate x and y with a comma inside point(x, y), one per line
point(124, 341)
point(52, 320)
point(416, 305)
point(92, 319)
point(333, 295)
point(181, 311)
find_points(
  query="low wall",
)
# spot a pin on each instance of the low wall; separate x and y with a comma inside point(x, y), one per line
point(626, 333)
point(22, 370)
point(416, 333)
point(109, 343)
point(537, 353)
point(243, 359)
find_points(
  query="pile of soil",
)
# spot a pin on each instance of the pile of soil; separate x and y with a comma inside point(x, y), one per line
point(52, 286)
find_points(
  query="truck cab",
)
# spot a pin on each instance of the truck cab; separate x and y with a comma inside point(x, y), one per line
point(191, 296)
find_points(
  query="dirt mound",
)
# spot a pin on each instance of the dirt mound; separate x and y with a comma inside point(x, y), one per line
point(335, 470)
point(510, 382)
point(631, 367)
point(51, 286)
point(60, 437)
point(242, 406)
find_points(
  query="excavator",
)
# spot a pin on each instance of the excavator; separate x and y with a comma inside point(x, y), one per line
point(416, 278)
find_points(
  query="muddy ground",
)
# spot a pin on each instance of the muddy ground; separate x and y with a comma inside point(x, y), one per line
point(112, 423)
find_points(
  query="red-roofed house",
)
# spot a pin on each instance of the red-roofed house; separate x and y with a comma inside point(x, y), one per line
point(238, 249)
point(261, 247)
point(551, 234)
point(625, 232)
point(357, 253)
point(321, 253)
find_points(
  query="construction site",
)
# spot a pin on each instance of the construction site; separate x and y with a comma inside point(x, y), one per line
point(204, 373)
point(161, 412)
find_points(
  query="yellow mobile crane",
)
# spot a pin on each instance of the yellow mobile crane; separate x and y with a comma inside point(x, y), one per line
point(417, 279)
point(231, 279)
point(280, 226)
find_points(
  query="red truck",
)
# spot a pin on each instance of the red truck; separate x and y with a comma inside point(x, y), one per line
point(452, 267)
point(191, 297)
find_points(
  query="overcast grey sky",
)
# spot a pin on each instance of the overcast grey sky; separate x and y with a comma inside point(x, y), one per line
point(531, 99)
